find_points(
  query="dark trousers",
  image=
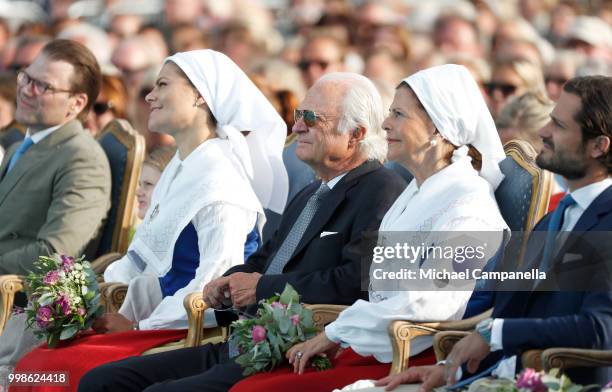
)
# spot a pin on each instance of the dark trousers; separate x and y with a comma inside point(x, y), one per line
point(198, 369)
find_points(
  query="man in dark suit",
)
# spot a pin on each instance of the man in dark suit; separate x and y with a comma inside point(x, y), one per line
point(574, 314)
point(55, 184)
point(316, 248)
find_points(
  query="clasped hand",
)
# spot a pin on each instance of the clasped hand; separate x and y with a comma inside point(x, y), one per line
point(239, 289)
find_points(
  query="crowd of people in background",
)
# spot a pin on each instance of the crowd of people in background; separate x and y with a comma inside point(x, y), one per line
point(511, 47)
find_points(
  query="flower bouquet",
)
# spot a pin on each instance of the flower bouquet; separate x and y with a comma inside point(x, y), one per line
point(530, 380)
point(281, 322)
point(64, 298)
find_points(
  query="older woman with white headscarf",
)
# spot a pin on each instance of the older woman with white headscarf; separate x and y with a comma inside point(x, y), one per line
point(437, 116)
point(204, 207)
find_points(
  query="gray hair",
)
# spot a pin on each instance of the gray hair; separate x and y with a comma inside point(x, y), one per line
point(361, 107)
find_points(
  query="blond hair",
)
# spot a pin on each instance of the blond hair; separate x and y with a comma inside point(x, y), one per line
point(526, 113)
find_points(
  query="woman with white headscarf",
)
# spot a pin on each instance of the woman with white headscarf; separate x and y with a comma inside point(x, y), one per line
point(204, 101)
point(437, 116)
point(203, 209)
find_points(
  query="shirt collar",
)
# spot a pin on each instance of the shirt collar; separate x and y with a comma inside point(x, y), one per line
point(40, 135)
point(584, 196)
point(331, 183)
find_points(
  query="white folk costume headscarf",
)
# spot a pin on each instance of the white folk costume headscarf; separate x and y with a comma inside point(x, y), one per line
point(455, 104)
point(238, 105)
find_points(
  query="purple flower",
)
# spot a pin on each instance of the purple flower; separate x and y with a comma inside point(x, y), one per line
point(295, 319)
point(531, 380)
point(258, 334)
point(608, 385)
point(81, 312)
point(51, 277)
point(67, 262)
point(43, 316)
point(64, 302)
point(277, 305)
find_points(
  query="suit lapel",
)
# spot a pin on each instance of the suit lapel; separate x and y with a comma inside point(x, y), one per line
point(330, 204)
point(34, 155)
point(589, 219)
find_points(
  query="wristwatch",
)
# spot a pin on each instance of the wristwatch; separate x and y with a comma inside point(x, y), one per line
point(484, 328)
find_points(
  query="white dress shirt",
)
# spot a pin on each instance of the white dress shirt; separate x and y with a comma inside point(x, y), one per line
point(40, 135)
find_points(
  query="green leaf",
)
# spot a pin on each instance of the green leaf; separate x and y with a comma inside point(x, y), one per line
point(284, 325)
point(69, 332)
point(289, 295)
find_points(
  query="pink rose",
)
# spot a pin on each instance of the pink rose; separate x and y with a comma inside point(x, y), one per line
point(277, 305)
point(43, 316)
point(81, 312)
point(258, 334)
point(67, 262)
point(531, 380)
point(51, 277)
point(295, 319)
point(64, 302)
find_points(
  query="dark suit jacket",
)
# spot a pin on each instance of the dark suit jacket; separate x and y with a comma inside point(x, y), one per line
point(328, 269)
point(54, 199)
point(561, 318)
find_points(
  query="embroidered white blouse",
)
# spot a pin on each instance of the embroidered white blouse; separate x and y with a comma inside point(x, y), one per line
point(455, 199)
point(208, 189)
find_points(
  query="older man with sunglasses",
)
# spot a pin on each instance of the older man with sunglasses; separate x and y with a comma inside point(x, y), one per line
point(317, 248)
point(55, 184)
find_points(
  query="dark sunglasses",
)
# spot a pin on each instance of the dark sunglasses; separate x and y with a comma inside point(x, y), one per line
point(310, 117)
point(505, 88)
point(556, 80)
point(305, 64)
point(100, 108)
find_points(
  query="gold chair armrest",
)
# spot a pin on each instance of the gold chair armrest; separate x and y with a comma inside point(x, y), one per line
point(532, 359)
point(195, 306)
point(458, 325)
point(9, 285)
point(113, 294)
point(99, 264)
point(401, 333)
point(323, 314)
point(444, 341)
point(565, 358)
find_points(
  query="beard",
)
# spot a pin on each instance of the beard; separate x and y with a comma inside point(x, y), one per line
point(570, 164)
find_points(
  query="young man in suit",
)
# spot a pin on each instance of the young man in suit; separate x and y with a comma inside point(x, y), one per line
point(55, 185)
point(576, 146)
point(316, 247)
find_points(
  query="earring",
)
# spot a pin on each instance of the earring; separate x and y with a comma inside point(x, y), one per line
point(433, 142)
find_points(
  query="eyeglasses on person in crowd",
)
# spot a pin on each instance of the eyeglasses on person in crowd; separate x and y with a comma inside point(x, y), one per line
point(505, 88)
point(99, 108)
point(39, 87)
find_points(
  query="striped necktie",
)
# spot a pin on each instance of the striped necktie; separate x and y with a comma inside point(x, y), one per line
point(292, 240)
